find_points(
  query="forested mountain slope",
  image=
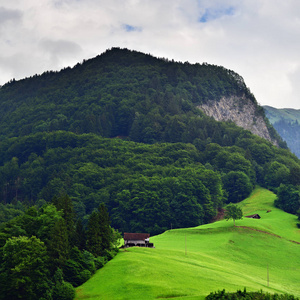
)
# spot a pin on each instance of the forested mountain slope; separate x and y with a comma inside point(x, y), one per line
point(124, 129)
point(123, 93)
point(286, 122)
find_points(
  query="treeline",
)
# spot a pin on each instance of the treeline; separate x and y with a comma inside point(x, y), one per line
point(145, 187)
point(46, 252)
point(244, 295)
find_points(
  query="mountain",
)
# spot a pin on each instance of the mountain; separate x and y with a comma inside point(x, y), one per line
point(135, 132)
point(286, 122)
point(132, 141)
point(128, 93)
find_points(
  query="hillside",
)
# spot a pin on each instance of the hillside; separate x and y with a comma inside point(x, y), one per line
point(286, 122)
point(190, 263)
point(121, 142)
point(243, 113)
point(126, 93)
point(125, 129)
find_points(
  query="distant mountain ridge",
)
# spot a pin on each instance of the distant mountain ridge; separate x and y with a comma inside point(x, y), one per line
point(287, 123)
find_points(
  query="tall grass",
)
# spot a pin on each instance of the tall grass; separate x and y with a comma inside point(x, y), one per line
point(190, 263)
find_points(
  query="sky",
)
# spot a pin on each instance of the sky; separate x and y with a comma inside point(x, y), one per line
point(258, 39)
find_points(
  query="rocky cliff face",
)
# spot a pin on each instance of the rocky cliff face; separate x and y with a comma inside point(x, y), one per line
point(240, 110)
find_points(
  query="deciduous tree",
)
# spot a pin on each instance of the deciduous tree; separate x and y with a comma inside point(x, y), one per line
point(233, 212)
point(24, 272)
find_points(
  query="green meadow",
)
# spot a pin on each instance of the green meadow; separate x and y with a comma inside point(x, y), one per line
point(190, 263)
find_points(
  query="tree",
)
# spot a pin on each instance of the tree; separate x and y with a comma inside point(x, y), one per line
point(238, 186)
point(80, 235)
point(295, 175)
point(105, 229)
point(288, 198)
point(99, 232)
point(62, 290)
point(64, 203)
point(94, 240)
point(233, 212)
point(24, 272)
point(276, 174)
point(58, 246)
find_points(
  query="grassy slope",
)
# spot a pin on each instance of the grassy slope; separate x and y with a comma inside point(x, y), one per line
point(190, 263)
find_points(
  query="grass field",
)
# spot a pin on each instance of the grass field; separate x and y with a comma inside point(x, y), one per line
point(191, 263)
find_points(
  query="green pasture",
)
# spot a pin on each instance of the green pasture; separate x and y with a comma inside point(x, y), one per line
point(190, 263)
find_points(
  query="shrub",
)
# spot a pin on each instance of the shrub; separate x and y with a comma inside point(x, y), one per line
point(71, 271)
point(99, 262)
point(63, 291)
point(110, 254)
point(84, 276)
point(244, 295)
point(89, 261)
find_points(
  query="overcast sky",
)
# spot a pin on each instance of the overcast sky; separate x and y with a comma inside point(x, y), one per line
point(259, 39)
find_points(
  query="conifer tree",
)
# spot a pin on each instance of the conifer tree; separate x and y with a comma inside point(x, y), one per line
point(59, 244)
point(99, 232)
point(105, 229)
point(94, 239)
point(80, 236)
point(64, 203)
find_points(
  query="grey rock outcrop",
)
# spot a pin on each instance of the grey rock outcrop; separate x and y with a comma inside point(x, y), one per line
point(240, 110)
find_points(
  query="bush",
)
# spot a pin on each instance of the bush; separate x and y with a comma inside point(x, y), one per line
point(244, 295)
point(99, 262)
point(63, 291)
point(89, 261)
point(84, 276)
point(110, 254)
point(71, 272)
point(76, 274)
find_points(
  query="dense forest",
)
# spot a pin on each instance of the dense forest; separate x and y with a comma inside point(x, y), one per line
point(120, 136)
point(123, 129)
point(120, 93)
point(46, 252)
point(145, 187)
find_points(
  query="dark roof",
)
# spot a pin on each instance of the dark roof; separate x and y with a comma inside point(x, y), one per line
point(255, 216)
point(136, 236)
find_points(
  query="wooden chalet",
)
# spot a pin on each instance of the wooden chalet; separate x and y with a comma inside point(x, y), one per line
point(137, 239)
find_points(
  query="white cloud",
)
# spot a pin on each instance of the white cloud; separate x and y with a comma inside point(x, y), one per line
point(256, 38)
point(58, 52)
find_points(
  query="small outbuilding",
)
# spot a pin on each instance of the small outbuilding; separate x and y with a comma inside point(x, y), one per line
point(255, 216)
point(137, 239)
